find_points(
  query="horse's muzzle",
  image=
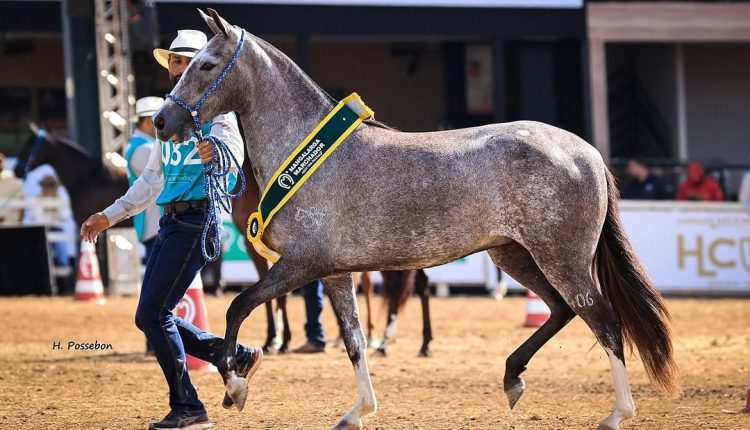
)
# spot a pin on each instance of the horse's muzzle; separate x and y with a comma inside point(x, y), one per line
point(172, 120)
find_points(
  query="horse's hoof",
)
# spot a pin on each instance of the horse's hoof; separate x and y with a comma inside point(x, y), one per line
point(270, 350)
point(603, 426)
point(425, 352)
point(227, 403)
point(515, 392)
point(237, 390)
point(381, 352)
point(284, 349)
point(345, 425)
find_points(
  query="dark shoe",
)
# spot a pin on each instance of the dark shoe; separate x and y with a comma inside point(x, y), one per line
point(247, 365)
point(309, 348)
point(182, 421)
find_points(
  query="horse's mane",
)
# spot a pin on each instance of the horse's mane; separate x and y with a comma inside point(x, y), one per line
point(107, 169)
point(70, 145)
point(270, 49)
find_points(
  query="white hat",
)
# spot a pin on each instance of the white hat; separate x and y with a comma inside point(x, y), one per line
point(147, 106)
point(187, 43)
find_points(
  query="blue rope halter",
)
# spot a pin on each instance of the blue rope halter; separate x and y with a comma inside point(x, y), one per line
point(34, 149)
point(216, 182)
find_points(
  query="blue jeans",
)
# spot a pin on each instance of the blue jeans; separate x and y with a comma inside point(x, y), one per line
point(149, 246)
point(174, 262)
point(313, 293)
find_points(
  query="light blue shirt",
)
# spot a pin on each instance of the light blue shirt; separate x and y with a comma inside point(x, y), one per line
point(183, 171)
point(137, 153)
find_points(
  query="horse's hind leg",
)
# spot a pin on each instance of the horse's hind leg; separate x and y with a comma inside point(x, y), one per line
point(421, 284)
point(393, 284)
point(577, 286)
point(515, 260)
point(344, 301)
point(270, 345)
point(367, 288)
point(286, 336)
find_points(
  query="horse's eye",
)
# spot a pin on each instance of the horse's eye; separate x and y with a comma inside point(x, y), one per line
point(207, 66)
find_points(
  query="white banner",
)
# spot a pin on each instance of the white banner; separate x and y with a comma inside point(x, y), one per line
point(567, 4)
point(686, 247)
point(692, 247)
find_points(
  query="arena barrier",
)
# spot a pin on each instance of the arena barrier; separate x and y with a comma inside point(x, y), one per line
point(687, 247)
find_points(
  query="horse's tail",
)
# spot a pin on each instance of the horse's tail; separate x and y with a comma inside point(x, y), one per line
point(640, 306)
point(398, 285)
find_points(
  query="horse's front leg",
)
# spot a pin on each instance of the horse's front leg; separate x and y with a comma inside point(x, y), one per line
point(340, 291)
point(286, 275)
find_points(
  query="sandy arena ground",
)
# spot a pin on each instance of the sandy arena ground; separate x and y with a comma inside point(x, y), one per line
point(460, 387)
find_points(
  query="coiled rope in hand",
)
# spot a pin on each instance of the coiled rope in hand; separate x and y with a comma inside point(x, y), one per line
point(216, 190)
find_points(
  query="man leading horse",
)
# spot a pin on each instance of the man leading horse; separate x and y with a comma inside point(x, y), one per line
point(174, 178)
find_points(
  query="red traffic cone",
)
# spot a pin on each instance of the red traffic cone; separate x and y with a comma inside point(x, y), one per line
point(192, 308)
point(537, 312)
point(88, 279)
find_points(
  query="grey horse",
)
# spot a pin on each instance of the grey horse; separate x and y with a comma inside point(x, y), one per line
point(540, 200)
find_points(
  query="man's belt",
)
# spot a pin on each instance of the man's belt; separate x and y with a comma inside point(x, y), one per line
point(302, 163)
point(175, 207)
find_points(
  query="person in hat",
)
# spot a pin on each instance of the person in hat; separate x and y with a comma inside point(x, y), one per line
point(52, 216)
point(174, 178)
point(137, 153)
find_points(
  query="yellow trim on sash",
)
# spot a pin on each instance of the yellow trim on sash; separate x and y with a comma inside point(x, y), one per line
point(256, 241)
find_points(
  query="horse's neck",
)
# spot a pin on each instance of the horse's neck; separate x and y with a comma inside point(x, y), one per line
point(284, 105)
point(75, 169)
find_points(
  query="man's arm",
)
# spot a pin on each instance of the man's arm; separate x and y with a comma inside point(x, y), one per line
point(142, 193)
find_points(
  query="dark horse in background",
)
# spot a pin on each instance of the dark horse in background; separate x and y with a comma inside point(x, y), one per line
point(91, 183)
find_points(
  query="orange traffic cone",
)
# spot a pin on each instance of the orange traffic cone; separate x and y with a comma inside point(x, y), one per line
point(88, 280)
point(537, 312)
point(192, 308)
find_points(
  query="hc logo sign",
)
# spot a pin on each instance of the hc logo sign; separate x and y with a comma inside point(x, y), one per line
point(715, 254)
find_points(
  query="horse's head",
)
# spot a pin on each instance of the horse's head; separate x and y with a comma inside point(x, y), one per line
point(34, 153)
point(204, 71)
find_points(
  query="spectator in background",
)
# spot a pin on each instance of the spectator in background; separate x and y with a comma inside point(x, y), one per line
point(745, 191)
point(699, 186)
point(52, 216)
point(137, 153)
point(643, 184)
point(11, 188)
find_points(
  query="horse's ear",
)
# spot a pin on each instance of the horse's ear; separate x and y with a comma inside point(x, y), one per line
point(220, 22)
point(210, 22)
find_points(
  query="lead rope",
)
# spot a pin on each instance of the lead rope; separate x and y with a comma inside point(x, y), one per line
point(216, 173)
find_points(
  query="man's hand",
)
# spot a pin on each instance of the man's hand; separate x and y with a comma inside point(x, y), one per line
point(94, 225)
point(206, 152)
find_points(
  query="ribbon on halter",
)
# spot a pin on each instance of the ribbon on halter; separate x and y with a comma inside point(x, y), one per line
point(311, 152)
point(215, 184)
point(37, 143)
